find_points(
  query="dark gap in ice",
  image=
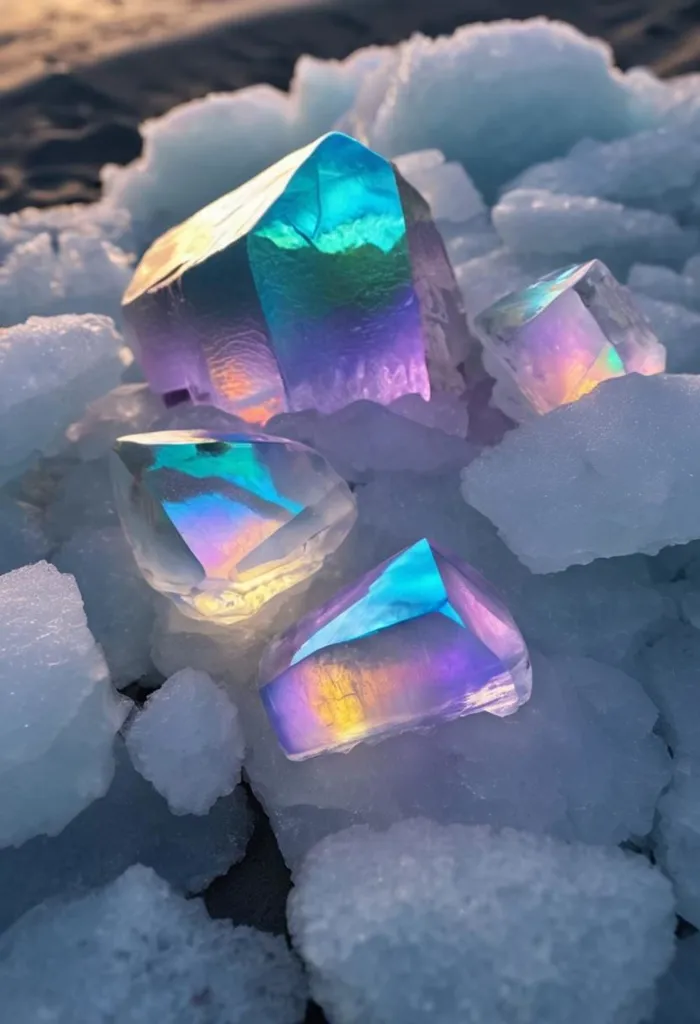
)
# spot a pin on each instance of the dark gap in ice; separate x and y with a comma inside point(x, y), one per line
point(254, 891)
point(172, 398)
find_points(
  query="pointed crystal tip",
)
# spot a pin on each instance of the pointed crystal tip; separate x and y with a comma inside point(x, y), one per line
point(222, 523)
point(421, 638)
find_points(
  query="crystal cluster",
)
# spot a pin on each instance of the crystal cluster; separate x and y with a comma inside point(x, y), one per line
point(319, 282)
point(559, 338)
point(223, 523)
point(422, 637)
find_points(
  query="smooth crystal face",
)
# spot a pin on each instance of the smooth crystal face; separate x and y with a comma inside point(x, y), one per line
point(223, 523)
point(561, 337)
point(421, 638)
point(320, 282)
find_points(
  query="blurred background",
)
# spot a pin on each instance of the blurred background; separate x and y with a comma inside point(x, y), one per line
point(78, 76)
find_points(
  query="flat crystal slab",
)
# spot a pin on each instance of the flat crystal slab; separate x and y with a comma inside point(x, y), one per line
point(421, 638)
point(223, 523)
point(317, 283)
point(562, 336)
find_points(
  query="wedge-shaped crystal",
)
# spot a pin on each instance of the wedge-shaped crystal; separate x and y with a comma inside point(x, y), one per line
point(223, 523)
point(555, 341)
point(320, 282)
point(421, 638)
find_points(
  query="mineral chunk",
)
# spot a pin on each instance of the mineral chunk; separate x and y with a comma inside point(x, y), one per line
point(321, 281)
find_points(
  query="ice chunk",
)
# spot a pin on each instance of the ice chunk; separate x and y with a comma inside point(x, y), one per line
point(59, 712)
point(669, 672)
point(446, 187)
point(187, 741)
point(677, 838)
point(129, 409)
point(71, 273)
point(50, 369)
point(679, 989)
point(508, 95)
point(611, 474)
point(131, 824)
point(484, 279)
point(84, 498)
point(135, 951)
point(365, 438)
point(678, 329)
point(22, 538)
point(584, 227)
point(445, 411)
point(101, 220)
point(664, 285)
point(118, 603)
point(579, 760)
point(386, 923)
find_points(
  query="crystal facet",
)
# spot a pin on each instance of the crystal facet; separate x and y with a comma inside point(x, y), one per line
point(420, 638)
point(223, 523)
point(562, 336)
point(319, 282)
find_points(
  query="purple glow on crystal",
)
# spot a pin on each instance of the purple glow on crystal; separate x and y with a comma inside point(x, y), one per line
point(419, 639)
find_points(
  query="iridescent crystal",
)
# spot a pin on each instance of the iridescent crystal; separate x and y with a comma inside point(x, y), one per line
point(319, 282)
point(562, 336)
point(222, 523)
point(420, 638)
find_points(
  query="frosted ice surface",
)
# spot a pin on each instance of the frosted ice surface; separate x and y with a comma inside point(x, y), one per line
point(68, 273)
point(50, 369)
point(677, 838)
point(492, 85)
point(602, 611)
point(118, 602)
point(135, 952)
point(129, 409)
point(611, 474)
point(388, 922)
point(365, 438)
point(579, 761)
point(101, 220)
point(187, 742)
point(446, 187)
point(584, 227)
point(445, 411)
point(665, 285)
point(22, 538)
point(679, 989)
point(131, 824)
point(59, 712)
point(83, 498)
point(678, 329)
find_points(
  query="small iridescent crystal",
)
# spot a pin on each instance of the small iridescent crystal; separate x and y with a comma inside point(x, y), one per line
point(320, 282)
point(420, 638)
point(555, 341)
point(223, 523)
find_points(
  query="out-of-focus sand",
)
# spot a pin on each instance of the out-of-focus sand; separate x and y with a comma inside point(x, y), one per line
point(37, 36)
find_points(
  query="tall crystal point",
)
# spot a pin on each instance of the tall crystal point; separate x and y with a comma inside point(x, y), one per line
point(555, 341)
point(223, 523)
point(319, 282)
point(421, 638)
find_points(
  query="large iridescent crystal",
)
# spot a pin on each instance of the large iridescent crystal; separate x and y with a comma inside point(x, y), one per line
point(420, 638)
point(223, 523)
point(319, 282)
point(555, 341)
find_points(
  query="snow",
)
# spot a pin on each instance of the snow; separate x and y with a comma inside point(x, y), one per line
point(137, 952)
point(387, 921)
point(187, 741)
point(59, 712)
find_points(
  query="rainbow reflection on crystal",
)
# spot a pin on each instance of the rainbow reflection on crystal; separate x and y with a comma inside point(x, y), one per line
point(420, 638)
point(320, 282)
point(223, 523)
point(562, 336)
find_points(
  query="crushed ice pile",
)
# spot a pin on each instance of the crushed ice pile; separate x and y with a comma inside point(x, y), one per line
point(486, 841)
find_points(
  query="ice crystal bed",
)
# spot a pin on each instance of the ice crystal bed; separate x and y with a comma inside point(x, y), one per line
point(487, 583)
